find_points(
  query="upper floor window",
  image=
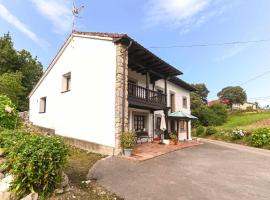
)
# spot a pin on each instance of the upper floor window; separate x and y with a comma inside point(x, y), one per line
point(42, 105)
point(172, 97)
point(66, 82)
point(184, 102)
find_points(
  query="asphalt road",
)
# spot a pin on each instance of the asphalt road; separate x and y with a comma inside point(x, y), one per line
point(215, 171)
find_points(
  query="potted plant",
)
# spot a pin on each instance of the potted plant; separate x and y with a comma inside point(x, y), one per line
point(127, 142)
point(174, 138)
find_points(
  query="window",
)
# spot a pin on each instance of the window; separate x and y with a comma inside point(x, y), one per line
point(158, 123)
point(184, 102)
point(139, 122)
point(42, 105)
point(66, 82)
point(172, 102)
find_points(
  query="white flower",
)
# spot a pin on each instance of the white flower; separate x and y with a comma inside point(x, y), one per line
point(8, 109)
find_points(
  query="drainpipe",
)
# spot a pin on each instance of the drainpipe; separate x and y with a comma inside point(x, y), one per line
point(124, 86)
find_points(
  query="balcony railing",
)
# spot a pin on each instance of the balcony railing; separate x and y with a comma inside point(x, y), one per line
point(143, 95)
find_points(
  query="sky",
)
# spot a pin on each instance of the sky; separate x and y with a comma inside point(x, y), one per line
point(42, 26)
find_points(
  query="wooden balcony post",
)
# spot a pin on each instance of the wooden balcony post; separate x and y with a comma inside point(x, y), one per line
point(147, 86)
point(166, 110)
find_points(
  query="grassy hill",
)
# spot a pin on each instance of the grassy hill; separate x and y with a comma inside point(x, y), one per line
point(247, 120)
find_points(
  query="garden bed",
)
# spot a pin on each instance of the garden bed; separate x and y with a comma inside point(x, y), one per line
point(259, 137)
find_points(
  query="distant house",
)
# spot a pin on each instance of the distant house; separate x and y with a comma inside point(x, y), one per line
point(235, 106)
point(102, 84)
point(244, 106)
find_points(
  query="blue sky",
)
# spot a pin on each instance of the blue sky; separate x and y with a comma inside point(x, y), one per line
point(41, 26)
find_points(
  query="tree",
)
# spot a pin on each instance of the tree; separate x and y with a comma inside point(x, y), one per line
point(201, 90)
point(233, 94)
point(196, 101)
point(11, 86)
point(13, 61)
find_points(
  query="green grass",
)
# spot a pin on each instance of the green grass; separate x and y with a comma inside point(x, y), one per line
point(243, 119)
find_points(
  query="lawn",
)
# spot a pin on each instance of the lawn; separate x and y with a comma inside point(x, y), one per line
point(244, 119)
point(79, 163)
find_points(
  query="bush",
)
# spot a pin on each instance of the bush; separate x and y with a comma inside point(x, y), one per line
point(173, 137)
point(35, 161)
point(238, 134)
point(9, 117)
point(221, 111)
point(127, 140)
point(200, 130)
point(211, 130)
point(260, 137)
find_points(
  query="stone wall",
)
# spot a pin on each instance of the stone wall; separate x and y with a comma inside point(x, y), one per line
point(121, 91)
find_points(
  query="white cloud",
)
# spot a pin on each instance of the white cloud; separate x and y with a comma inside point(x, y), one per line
point(58, 12)
point(13, 20)
point(183, 14)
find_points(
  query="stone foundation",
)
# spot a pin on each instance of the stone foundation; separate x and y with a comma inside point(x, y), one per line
point(90, 146)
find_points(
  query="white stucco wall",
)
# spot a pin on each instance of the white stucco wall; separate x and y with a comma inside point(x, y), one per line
point(87, 112)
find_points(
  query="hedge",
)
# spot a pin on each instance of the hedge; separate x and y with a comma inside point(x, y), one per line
point(35, 161)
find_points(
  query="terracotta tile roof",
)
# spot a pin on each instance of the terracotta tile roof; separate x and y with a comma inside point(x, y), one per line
point(102, 34)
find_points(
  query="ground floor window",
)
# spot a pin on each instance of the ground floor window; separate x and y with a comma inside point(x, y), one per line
point(139, 122)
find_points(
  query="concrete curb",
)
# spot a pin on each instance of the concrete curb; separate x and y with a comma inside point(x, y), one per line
point(237, 146)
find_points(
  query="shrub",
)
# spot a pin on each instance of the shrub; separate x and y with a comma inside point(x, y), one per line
point(200, 130)
point(173, 137)
point(35, 161)
point(222, 114)
point(8, 115)
point(238, 134)
point(260, 137)
point(127, 140)
point(211, 130)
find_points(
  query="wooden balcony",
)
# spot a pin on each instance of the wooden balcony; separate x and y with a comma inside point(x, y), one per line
point(144, 98)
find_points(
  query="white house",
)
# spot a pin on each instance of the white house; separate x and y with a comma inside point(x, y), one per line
point(244, 106)
point(102, 84)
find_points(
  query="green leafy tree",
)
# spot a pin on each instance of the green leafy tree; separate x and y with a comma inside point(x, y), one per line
point(202, 91)
point(11, 86)
point(234, 94)
point(13, 61)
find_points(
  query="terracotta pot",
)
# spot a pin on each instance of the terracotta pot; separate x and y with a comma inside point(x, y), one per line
point(157, 141)
point(173, 142)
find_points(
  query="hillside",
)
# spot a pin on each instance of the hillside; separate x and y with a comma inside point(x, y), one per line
point(247, 120)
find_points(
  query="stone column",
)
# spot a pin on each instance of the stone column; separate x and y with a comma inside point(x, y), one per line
point(121, 94)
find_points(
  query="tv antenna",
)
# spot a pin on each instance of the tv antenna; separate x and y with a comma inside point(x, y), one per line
point(75, 12)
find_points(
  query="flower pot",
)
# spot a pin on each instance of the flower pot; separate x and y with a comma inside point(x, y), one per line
point(127, 152)
point(173, 142)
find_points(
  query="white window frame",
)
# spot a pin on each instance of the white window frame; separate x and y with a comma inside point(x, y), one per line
point(66, 82)
point(42, 104)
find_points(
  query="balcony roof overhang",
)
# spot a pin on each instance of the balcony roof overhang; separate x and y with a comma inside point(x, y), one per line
point(142, 60)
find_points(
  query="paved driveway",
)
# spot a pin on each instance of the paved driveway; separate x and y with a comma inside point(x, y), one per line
point(208, 171)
